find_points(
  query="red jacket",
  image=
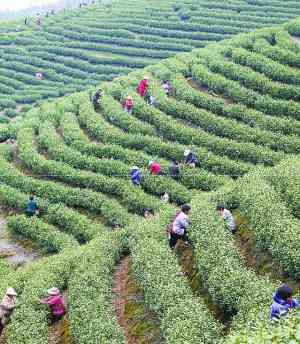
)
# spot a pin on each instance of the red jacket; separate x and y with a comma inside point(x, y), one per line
point(155, 168)
point(142, 87)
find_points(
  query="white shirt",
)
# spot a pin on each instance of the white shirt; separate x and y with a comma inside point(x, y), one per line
point(228, 218)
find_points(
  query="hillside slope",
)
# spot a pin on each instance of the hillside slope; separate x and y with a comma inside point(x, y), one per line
point(79, 48)
point(236, 105)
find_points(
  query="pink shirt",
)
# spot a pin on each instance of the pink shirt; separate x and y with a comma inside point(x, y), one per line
point(56, 304)
point(155, 168)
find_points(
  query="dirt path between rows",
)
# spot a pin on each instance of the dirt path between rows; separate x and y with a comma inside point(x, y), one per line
point(138, 324)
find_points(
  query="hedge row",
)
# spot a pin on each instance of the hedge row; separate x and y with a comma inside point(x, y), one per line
point(156, 185)
point(43, 235)
point(249, 78)
point(220, 126)
point(90, 292)
point(57, 193)
point(238, 93)
point(232, 287)
point(286, 180)
point(29, 323)
point(102, 131)
point(274, 227)
point(174, 130)
point(59, 215)
point(131, 197)
point(183, 317)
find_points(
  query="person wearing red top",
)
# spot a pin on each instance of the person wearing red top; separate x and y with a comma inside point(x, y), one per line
point(128, 104)
point(154, 168)
point(143, 87)
point(56, 304)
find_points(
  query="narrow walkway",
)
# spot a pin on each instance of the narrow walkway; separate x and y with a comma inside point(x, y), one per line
point(59, 333)
point(139, 326)
point(187, 261)
point(15, 253)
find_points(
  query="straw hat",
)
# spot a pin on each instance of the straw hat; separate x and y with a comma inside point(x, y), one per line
point(146, 77)
point(187, 152)
point(53, 291)
point(11, 292)
point(129, 97)
point(151, 162)
point(135, 168)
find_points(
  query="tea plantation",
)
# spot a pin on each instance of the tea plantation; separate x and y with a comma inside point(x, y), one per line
point(78, 48)
point(234, 103)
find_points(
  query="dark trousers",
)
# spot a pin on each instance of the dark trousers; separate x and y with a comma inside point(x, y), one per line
point(1, 326)
point(175, 237)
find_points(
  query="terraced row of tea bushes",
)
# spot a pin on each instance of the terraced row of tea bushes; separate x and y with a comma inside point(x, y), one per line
point(184, 92)
point(285, 332)
point(249, 78)
point(108, 41)
point(156, 185)
point(273, 226)
point(30, 320)
point(273, 70)
point(70, 221)
point(174, 130)
point(132, 198)
point(286, 180)
point(183, 317)
point(57, 193)
point(43, 235)
point(220, 126)
point(234, 288)
point(238, 93)
point(98, 128)
point(90, 292)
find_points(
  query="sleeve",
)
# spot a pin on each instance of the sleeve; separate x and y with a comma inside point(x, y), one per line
point(274, 314)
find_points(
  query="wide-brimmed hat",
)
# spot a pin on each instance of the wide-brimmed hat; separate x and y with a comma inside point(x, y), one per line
point(53, 291)
point(129, 97)
point(134, 168)
point(150, 162)
point(187, 152)
point(11, 292)
point(146, 77)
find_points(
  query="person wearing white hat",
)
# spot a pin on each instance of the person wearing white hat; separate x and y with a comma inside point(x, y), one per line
point(135, 175)
point(56, 304)
point(190, 158)
point(7, 306)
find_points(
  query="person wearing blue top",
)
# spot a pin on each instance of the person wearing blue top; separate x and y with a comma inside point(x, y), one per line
point(136, 176)
point(283, 301)
point(190, 158)
point(32, 207)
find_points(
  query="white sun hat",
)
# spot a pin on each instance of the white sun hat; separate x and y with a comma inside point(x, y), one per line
point(11, 292)
point(53, 291)
point(187, 152)
point(151, 162)
point(134, 168)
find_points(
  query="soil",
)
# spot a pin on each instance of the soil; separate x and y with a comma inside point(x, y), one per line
point(138, 324)
point(59, 333)
point(15, 253)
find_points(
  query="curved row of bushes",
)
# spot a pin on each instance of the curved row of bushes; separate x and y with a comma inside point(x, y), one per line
point(134, 199)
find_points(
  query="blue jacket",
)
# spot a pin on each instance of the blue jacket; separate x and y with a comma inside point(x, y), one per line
point(281, 307)
point(136, 177)
point(32, 206)
point(191, 159)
